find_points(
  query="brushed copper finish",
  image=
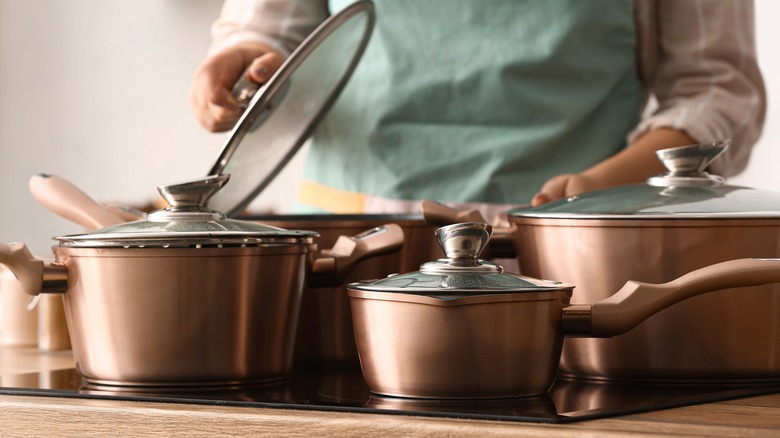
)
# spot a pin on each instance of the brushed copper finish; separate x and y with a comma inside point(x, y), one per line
point(166, 317)
point(730, 336)
point(483, 346)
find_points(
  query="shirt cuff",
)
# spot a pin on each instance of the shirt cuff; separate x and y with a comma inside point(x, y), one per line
point(239, 37)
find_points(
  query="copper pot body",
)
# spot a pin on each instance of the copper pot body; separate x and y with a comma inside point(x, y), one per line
point(190, 316)
point(730, 336)
point(325, 331)
point(425, 347)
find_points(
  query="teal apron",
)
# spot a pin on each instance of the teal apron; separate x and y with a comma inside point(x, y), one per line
point(477, 101)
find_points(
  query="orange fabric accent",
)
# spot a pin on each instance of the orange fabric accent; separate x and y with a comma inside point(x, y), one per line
point(329, 199)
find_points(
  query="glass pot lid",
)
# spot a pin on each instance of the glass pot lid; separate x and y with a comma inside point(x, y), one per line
point(284, 112)
point(685, 191)
point(462, 272)
point(187, 222)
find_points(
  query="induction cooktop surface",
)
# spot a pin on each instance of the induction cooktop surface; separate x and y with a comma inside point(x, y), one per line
point(344, 390)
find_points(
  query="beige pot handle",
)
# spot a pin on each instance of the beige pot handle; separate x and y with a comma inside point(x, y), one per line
point(26, 268)
point(35, 275)
point(333, 265)
point(636, 301)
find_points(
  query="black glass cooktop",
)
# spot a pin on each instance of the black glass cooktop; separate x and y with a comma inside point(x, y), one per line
point(344, 390)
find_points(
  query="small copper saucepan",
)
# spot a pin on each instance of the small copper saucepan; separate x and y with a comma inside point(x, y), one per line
point(462, 328)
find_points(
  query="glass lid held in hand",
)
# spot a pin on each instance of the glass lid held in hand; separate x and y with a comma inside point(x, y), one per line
point(284, 112)
point(685, 191)
point(187, 222)
point(462, 272)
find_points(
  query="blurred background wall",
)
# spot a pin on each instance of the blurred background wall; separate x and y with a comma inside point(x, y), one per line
point(96, 91)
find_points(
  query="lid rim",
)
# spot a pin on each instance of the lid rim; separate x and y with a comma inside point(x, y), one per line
point(433, 299)
point(645, 201)
point(656, 216)
point(183, 239)
point(457, 291)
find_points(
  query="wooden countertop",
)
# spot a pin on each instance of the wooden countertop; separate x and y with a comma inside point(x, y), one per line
point(64, 417)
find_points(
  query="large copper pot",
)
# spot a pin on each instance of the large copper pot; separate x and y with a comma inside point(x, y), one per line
point(187, 296)
point(655, 232)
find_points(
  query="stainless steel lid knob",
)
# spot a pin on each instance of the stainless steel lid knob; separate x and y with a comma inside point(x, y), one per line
point(686, 165)
point(462, 243)
point(464, 240)
point(691, 159)
point(188, 199)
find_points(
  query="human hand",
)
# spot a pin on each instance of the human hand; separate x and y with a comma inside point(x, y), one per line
point(563, 186)
point(633, 164)
point(210, 93)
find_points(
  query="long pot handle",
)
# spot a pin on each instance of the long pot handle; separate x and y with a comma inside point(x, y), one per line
point(333, 265)
point(637, 301)
point(436, 213)
point(125, 212)
point(35, 275)
point(67, 200)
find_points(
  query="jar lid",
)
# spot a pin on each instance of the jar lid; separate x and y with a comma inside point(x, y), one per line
point(462, 272)
point(187, 223)
point(685, 191)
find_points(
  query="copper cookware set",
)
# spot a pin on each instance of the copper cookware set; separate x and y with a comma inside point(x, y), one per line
point(459, 327)
point(189, 296)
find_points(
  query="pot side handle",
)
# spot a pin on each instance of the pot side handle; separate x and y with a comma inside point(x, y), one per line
point(333, 265)
point(636, 301)
point(35, 275)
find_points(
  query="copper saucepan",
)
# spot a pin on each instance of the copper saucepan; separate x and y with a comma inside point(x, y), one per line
point(654, 232)
point(187, 296)
point(461, 328)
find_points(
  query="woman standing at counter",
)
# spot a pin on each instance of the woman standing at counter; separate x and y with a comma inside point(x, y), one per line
point(506, 102)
